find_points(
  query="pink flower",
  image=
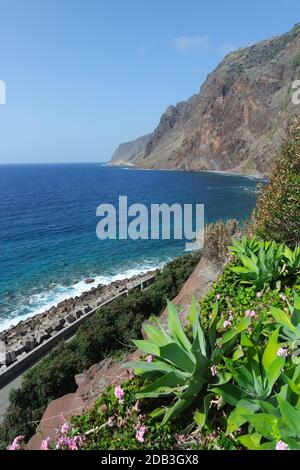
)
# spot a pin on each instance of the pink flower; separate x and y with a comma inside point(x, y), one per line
point(282, 296)
point(140, 433)
point(281, 446)
point(218, 296)
point(119, 394)
point(214, 370)
point(131, 373)
point(65, 428)
point(259, 294)
point(250, 314)
point(111, 421)
point(149, 358)
point(17, 443)
point(68, 443)
point(230, 313)
point(226, 323)
point(282, 352)
point(45, 444)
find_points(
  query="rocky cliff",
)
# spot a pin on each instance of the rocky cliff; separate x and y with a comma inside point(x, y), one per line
point(237, 120)
point(130, 151)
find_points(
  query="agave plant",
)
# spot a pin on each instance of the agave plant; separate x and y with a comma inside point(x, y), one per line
point(245, 246)
point(292, 260)
point(261, 268)
point(275, 428)
point(290, 323)
point(182, 365)
point(253, 378)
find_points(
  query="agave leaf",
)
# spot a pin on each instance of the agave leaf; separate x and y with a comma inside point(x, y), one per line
point(246, 341)
point(293, 444)
point(146, 347)
point(195, 386)
point(274, 372)
point(283, 319)
point(237, 353)
point(240, 270)
point(290, 415)
point(156, 335)
point(267, 446)
point(263, 423)
point(250, 441)
point(249, 264)
point(144, 366)
point(201, 359)
point(295, 318)
point(176, 328)
point(241, 326)
point(165, 385)
point(236, 418)
point(213, 325)
point(222, 378)
point(200, 415)
point(176, 409)
point(174, 354)
point(267, 407)
point(270, 352)
point(230, 393)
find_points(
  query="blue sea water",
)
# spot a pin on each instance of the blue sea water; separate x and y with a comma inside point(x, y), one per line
point(48, 242)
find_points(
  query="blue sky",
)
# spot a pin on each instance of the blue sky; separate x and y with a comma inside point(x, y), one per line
point(83, 76)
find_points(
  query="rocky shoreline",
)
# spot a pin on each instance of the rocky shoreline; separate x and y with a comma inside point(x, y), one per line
point(18, 341)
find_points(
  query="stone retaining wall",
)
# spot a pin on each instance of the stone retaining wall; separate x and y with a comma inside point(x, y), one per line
point(24, 344)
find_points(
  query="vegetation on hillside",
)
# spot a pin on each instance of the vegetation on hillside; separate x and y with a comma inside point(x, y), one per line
point(229, 380)
point(104, 334)
point(277, 216)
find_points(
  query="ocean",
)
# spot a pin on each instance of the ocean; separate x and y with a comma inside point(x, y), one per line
point(48, 242)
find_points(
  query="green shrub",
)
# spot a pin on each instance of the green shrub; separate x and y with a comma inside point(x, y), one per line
point(278, 207)
point(217, 237)
point(109, 331)
point(265, 263)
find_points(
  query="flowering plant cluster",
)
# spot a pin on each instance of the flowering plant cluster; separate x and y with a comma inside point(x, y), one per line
point(66, 439)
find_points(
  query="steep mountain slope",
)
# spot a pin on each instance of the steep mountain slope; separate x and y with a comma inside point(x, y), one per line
point(238, 119)
point(130, 151)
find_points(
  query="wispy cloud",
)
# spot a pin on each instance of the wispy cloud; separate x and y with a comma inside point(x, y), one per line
point(197, 43)
point(200, 43)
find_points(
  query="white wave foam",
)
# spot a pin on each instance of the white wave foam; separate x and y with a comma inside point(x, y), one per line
point(43, 301)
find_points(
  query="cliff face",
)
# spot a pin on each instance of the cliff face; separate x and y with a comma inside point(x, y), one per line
point(237, 120)
point(130, 151)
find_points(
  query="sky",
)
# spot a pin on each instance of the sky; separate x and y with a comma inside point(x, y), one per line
point(83, 76)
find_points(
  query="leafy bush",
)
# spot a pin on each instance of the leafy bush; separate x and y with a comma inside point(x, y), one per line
point(278, 207)
point(183, 366)
point(217, 237)
point(107, 332)
point(261, 269)
point(279, 428)
point(265, 263)
point(290, 322)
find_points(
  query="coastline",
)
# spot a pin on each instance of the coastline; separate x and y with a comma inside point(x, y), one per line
point(132, 166)
point(18, 341)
